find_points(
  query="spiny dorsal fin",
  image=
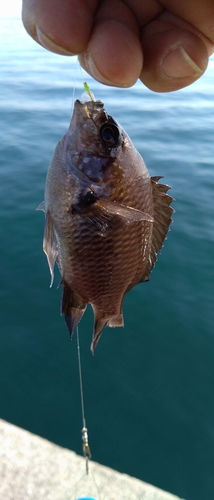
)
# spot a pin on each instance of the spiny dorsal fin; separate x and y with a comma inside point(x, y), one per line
point(162, 213)
point(162, 221)
point(162, 217)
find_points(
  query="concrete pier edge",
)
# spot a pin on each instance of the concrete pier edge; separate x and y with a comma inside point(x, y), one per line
point(33, 468)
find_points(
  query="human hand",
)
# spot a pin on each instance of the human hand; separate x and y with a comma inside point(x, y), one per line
point(164, 43)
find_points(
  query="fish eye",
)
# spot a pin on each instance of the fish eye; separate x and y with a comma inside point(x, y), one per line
point(109, 133)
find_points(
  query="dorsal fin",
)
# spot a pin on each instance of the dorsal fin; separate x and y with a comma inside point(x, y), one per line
point(162, 213)
point(162, 216)
point(162, 221)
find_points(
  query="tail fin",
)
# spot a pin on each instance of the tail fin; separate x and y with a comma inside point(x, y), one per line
point(100, 321)
point(99, 324)
point(73, 307)
point(116, 320)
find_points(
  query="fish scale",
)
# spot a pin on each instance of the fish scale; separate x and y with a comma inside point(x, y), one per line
point(106, 218)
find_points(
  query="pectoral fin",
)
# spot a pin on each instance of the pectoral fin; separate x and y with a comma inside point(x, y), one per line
point(73, 307)
point(89, 203)
point(129, 213)
point(50, 245)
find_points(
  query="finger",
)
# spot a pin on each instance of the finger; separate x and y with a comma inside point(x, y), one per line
point(199, 14)
point(61, 27)
point(174, 54)
point(114, 53)
point(175, 42)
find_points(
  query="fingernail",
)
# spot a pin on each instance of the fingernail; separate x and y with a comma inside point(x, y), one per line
point(93, 71)
point(50, 45)
point(178, 64)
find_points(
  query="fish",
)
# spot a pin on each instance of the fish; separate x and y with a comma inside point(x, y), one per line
point(105, 217)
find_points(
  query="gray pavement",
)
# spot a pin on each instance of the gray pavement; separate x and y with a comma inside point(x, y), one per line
point(33, 468)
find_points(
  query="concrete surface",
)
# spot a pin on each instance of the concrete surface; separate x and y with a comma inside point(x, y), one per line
point(33, 468)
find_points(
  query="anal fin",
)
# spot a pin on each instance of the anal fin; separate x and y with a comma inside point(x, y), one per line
point(50, 244)
point(41, 206)
point(73, 308)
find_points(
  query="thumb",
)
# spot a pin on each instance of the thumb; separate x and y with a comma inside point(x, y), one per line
point(173, 59)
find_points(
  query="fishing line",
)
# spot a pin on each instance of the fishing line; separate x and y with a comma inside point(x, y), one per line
point(80, 379)
point(75, 85)
point(86, 449)
point(87, 487)
point(84, 480)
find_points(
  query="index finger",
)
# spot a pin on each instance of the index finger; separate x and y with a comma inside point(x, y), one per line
point(51, 23)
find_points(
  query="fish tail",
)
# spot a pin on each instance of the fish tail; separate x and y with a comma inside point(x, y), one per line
point(99, 323)
point(116, 320)
point(73, 308)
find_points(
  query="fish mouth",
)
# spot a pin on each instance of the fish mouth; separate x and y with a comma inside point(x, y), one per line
point(92, 110)
point(92, 140)
point(86, 112)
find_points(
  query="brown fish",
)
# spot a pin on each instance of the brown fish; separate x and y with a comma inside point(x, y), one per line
point(106, 218)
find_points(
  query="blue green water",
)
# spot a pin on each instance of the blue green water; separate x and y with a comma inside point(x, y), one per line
point(149, 389)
